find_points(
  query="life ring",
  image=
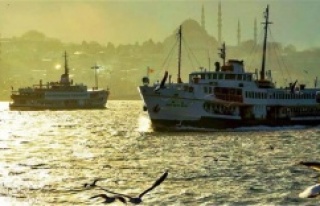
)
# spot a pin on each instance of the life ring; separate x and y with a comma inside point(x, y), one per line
point(156, 108)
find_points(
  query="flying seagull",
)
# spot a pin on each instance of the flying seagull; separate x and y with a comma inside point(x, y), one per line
point(314, 190)
point(110, 199)
point(138, 200)
point(313, 165)
point(93, 184)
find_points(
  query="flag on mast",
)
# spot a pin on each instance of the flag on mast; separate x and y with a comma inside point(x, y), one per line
point(150, 70)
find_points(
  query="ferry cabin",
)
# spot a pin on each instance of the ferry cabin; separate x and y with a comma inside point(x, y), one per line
point(231, 91)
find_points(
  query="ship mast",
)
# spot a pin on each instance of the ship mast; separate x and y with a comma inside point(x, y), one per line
point(66, 68)
point(266, 23)
point(223, 53)
point(95, 67)
point(65, 76)
point(179, 60)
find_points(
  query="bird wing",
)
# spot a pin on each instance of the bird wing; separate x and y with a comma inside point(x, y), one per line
point(158, 182)
point(115, 193)
point(96, 180)
point(99, 195)
point(122, 199)
point(313, 165)
point(310, 192)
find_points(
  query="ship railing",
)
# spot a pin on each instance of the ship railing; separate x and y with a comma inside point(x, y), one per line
point(15, 92)
point(229, 97)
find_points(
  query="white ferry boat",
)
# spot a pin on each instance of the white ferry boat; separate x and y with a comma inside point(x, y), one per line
point(229, 97)
point(59, 95)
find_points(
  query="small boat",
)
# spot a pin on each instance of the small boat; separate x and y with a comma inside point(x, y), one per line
point(229, 97)
point(60, 95)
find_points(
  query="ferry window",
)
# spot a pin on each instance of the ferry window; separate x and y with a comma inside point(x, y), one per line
point(220, 76)
point(239, 76)
point(205, 90)
point(202, 76)
point(230, 76)
point(209, 76)
point(210, 90)
point(249, 77)
point(214, 76)
point(244, 77)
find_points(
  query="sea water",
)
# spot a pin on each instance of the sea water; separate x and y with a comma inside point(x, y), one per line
point(47, 156)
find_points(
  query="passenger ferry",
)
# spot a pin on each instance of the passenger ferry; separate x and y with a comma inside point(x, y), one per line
point(63, 94)
point(229, 97)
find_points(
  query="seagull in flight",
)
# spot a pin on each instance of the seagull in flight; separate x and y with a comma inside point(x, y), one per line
point(138, 200)
point(314, 190)
point(92, 184)
point(110, 199)
point(312, 165)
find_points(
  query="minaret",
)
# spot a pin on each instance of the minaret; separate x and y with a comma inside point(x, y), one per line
point(255, 38)
point(239, 33)
point(203, 23)
point(219, 24)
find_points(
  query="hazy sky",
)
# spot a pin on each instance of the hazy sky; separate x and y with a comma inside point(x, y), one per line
point(129, 21)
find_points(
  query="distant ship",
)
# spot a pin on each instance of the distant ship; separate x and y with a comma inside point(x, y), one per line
point(59, 95)
point(229, 97)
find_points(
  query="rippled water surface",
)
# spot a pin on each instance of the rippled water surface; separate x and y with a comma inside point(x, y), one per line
point(47, 156)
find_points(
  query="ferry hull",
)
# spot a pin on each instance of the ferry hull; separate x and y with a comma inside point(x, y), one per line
point(213, 123)
point(40, 107)
point(169, 112)
point(21, 102)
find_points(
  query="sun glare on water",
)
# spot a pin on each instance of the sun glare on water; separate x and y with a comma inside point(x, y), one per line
point(144, 124)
